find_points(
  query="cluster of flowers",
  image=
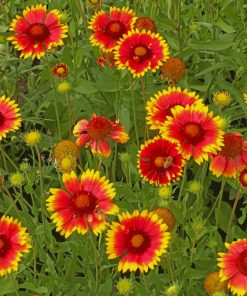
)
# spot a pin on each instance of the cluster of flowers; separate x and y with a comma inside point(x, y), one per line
point(186, 130)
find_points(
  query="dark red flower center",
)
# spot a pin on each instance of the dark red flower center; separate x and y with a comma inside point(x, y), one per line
point(163, 162)
point(1, 119)
point(4, 245)
point(99, 128)
point(193, 132)
point(138, 242)
point(84, 203)
point(242, 262)
point(233, 144)
point(243, 178)
point(141, 53)
point(115, 29)
point(38, 32)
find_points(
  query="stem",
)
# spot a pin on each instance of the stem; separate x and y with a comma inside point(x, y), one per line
point(5, 156)
point(70, 113)
point(96, 261)
point(134, 111)
point(238, 196)
point(179, 25)
point(54, 95)
point(182, 185)
point(82, 13)
point(146, 135)
point(220, 195)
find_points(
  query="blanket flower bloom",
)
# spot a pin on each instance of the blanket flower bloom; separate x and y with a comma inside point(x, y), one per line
point(139, 239)
point(160, 162)
point(14, 241)
point(84, 203)
point(233, 266)
point(94, 133)
point(195, 129)
point(159, 106)
point(37, 31)
point(10, 118)
point(60, 70)
point(232, 158)
point(141, 51)
point(212, 283)
point(242, 178)
point(109, 28)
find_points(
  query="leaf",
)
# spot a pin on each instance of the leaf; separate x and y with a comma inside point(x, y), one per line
point(85, 87)
point(210, 45)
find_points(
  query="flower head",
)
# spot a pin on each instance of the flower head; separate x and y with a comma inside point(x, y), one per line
point(16, 179)
point(245, 97)
point(106, 58)
point(172, 290)
point(10, 118)
point(25, 166)
point(145, 23)
point(223, 123)
point(160, 162)
point(173, 69)
point(139, 239)
point(94, 133)
point(159, 106)
point(165, 192)
point(242, 178)
point(85, 202)
point(167, 217)
point(124, 286)
point(222, 98)
point(232, 158)
point(37, 31)
point(63, 87)
point(14, 241)
point(195, 129)
point(60, 70)
point(195, 186)
point(233, 266)
point(109, 28)
point(32, 138)
point(141, 51)
point(212, 283)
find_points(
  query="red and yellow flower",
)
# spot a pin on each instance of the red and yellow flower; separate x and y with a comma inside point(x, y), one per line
point(10, 117)
point(141, 51)
point(160, 162)
point(60, 70)
point(195, 129)
point(14, 241)
point(94, 133)
point(212, 283)
point(232, 158)
point(84, 203)
point(242, 178)
point(159, 106)
point(139, 239)
point(233, 266)
point(109, 28)
point(37, 31)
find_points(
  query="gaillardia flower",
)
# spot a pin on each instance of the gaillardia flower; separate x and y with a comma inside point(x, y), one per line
point(173, 69)
point(139, 239)
point(10, 118)
point(14, 241)
point(84, 202)
point(141, 51)
point(60, 70)
point(195, 129)
point(232, 158)
point(108, 29)
point(160, 162)
point(145, 23)
point(222, 98)
point(159, 106)
point(32, 138)
point(95, 131)
point(242, 178)
point(212, 283)
point(233, 266)
point(37, 31)
point(167, 217)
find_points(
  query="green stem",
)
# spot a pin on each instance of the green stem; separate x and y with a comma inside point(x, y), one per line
point(182, 185)
point(220, 195)
point(96, 261)
point(70, 114)
point(5, 156)
point(238, 196)
point(134, 111)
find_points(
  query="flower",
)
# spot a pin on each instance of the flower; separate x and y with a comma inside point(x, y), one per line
point(16, 179)
point(65, 154)
point(165, 192)
point(222, 98)
point(60, 70)
point(32, 138)
point(106, 58)
point(84, 203)
point(10, 118)
point(242, 178)
point(173, 69)
point(25, 166)
point(141, 51)
point(140, 239)
point(167, 217)
point(37, 31)
point(63, 87)
point(233, 266)
point(124, 286)
point(160, 162)
point(109, 28)
point(245, 97)
point(212, 283)
point(195, 186)
point(173, 290)
point(14, 241)
point(159, 106)
point(145, 23)
point(223, 123)
point(95, 131)
point(196, 131)
point(232, 158)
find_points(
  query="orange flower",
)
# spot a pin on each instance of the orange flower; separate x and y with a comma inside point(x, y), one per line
point(167, 216)
point(173, 69)
point(242, 177)
point(212, 283)
point(145, 23)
